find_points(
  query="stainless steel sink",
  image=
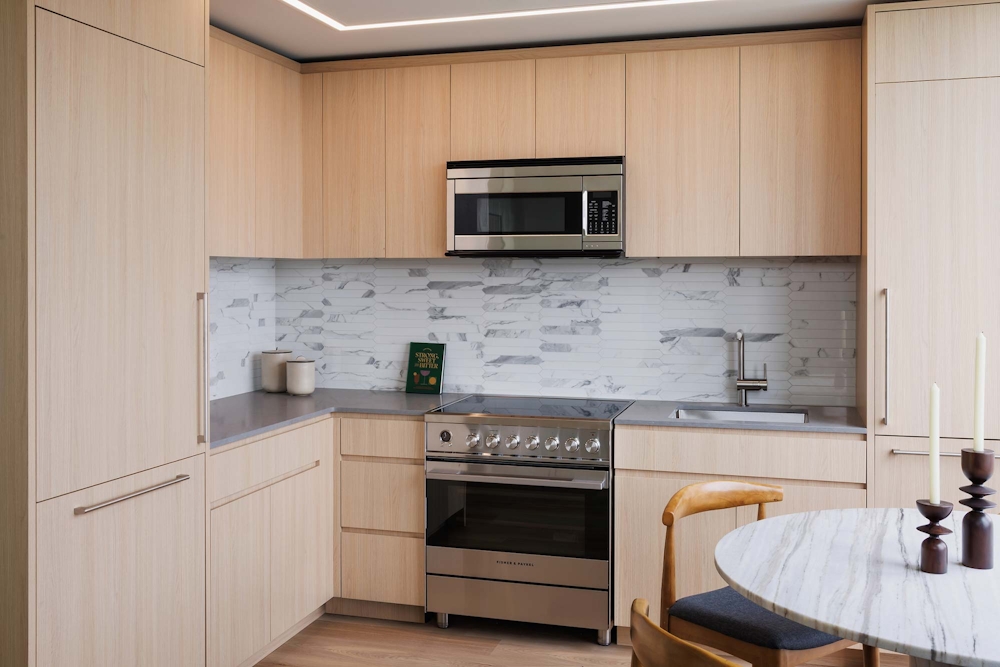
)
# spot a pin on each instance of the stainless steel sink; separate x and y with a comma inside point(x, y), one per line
point(743, 415)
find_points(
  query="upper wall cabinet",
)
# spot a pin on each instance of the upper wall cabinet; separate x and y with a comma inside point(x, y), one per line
point(278, 182)
point(937, 43)
point(354, 164)
point(800, 149)
point(493, 110)
point(683, 153)
point(231, 150)
point(176, 27)
point(580, 106)
point(417, 127)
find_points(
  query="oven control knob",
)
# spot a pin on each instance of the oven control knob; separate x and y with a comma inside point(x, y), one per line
point(446, 436)
point(512, 442)
point(532, 443)
point(552, 444)
point(572, 445)
point(472, 440)
point(593, 446)
point(492, 441)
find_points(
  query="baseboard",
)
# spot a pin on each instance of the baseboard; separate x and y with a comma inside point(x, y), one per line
point(622, 635)
point(281, 639)
point(382, 610)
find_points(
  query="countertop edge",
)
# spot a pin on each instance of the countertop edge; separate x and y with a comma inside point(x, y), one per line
point(745, 426)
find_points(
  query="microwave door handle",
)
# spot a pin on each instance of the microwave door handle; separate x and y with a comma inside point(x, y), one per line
point(586, 196)
point(585, 484)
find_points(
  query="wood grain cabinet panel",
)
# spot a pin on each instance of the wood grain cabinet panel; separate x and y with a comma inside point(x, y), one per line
point(312, 166)
point(937, 43)
point(418, 128)
point(278, 173)
point(493, 110)
point(384, 568)
point(382, 496)
point(580, 106)
point(124, 585)
point(301, 546)
point(384, 438)
point(683, 153)
point(937, 164)
point(800, 149)
point(176, 27)
point(354, 163)
point(232, 150)
point(240, 618)
point(120, 255)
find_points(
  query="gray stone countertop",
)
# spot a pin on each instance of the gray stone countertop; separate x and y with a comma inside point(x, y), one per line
point(246, 415)
point(820, 419)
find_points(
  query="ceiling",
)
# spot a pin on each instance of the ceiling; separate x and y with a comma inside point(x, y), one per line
point(286, 30)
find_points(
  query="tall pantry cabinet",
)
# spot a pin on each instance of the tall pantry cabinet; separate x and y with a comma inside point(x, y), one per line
point(102, 341)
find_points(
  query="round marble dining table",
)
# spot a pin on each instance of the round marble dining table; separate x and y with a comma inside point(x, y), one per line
point(856, 574)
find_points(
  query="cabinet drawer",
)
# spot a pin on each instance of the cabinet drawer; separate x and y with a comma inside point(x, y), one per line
point(383, 568)
point(382, 496)
point(124, 584)
point(937, 43)
point(266, 460)
point(808, 456)
point(387, 438)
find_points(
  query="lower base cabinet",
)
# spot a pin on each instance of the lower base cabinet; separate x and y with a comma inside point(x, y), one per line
point(124, 584)
point(383, 568)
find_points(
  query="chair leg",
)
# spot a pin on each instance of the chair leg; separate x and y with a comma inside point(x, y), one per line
point(871, 657)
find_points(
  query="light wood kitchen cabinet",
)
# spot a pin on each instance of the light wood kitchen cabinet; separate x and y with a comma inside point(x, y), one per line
point(119, 256)
point(354, 164)
point(901, 470)
point(800, 149)
point(301, 546)
point(417, 136)
point(380, 496)
point(176, 27)
point(240, 617)
point(493, 110)
point(956, 42)
point(683, 152)
point(231, 151)
point(278, 172)
point(313, 234)
point(384, 568)
point(580, 106)
point(817, 471)
point(937, 146)
point(124, 584)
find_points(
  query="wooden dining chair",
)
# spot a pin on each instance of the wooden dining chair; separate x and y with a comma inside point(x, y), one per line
point(724, 619)
point(652, 646)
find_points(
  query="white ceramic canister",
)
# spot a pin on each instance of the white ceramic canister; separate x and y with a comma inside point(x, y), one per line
point(272, 369)
point(301, 376)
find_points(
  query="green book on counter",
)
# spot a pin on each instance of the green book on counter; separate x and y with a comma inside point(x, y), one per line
point(426, 368)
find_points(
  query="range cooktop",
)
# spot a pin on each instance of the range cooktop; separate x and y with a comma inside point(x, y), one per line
point(533, 407)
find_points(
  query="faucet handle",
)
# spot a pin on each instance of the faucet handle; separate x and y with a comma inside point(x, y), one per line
point(739, 334)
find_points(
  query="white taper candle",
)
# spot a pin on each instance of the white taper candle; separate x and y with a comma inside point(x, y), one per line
point(979, 419)
point(935, 445)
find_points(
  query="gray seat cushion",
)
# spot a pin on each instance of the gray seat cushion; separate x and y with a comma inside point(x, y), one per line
point(727, 612)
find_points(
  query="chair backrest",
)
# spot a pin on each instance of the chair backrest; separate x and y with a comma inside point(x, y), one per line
point(704, 497)
point(652, 646)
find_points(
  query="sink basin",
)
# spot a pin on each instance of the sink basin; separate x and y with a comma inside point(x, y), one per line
point(743, 415)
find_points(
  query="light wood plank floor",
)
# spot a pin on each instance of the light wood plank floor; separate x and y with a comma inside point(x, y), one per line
point(334, 641)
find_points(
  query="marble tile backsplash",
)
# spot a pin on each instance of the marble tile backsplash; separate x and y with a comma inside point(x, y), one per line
point(567, 327)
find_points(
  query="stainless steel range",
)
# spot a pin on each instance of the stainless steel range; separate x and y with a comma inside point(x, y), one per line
point(519, 510)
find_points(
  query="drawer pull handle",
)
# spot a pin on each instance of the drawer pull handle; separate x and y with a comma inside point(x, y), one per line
point(885, 418)
point(205, 373)
point(913, 452)
point(134, 494)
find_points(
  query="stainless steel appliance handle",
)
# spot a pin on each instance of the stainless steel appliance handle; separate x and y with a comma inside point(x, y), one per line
point(586, 484)
point(584, 222)
point(134, 494)
point(885, 418)
point(205, 402)
point(562, 478)
point(914, 452)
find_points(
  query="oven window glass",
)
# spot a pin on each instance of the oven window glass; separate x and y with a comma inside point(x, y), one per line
point(572, 523)
point(519, 213)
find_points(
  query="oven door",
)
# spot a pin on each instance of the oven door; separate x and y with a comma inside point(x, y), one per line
point(522, 523)
point(544, 214)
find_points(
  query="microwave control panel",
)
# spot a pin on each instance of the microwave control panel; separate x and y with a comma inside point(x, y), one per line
point(602, 213)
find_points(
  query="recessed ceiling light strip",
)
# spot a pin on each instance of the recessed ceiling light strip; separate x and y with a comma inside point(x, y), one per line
point(333, 23)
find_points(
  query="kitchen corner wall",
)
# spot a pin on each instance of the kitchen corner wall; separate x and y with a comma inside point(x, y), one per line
point(569, 327)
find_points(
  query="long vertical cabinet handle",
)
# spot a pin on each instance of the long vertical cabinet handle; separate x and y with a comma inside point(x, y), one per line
point(205, 405)
point(885, 417)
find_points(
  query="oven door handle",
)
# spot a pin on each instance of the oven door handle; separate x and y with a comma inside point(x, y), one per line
point(585, 484)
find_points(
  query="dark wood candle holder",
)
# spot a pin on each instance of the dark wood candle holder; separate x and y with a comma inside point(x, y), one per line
point(933, 550)
point(977, 526)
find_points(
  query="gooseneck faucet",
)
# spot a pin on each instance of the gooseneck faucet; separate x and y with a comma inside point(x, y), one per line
point(744, 384)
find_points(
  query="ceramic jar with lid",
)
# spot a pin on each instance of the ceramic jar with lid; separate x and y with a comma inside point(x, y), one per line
point(272, 369)
point(301, 376)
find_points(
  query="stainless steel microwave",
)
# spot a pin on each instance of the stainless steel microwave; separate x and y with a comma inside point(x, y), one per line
point(570, 207)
